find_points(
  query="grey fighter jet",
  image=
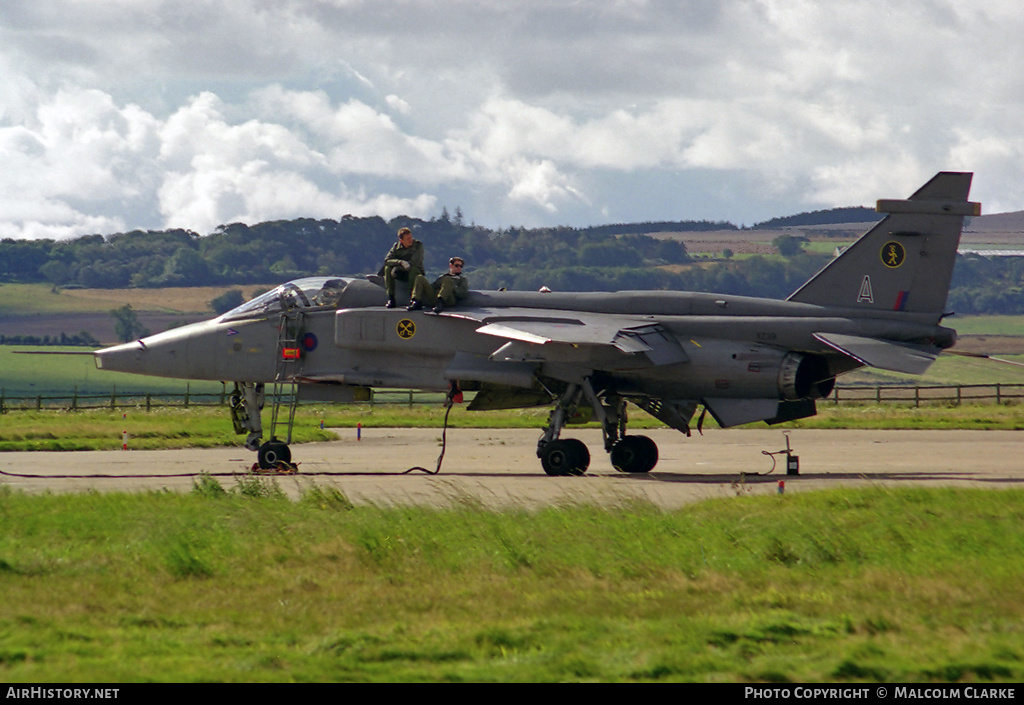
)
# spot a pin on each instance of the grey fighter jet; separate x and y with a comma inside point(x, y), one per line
point(742, 359)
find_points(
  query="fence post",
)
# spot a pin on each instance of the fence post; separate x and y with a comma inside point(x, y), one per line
point(74, 400)
point(917, 397)
point(878, 394)
point(410, 398)
point(187, 388)
point(149, 399)
point(958, 395)
point(113, 397)
point(998, 396)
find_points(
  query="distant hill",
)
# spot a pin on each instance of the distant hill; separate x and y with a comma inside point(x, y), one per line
point(997, 223)
point(647, 228)
point(832, 216)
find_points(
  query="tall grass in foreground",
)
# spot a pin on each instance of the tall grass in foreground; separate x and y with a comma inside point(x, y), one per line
point(240, 584)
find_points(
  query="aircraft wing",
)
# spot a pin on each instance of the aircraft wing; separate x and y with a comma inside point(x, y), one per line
point(538, 334)
point(883, 354)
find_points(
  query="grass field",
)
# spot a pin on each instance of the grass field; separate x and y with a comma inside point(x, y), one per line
point(987, 325)
point(42, 373)
point(36, 299)
point(244, 585)
point(948, 369)
point(236, 583)
point(102, 429)
point(205, 427)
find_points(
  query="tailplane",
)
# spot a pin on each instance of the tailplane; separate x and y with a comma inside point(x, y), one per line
point(905, 263)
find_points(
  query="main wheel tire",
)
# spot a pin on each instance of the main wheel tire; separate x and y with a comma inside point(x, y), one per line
point(565, 457)
point(634, 454)
point(582, 455)
point(271, 453)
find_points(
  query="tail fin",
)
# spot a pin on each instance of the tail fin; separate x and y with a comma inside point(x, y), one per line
point(904, 263)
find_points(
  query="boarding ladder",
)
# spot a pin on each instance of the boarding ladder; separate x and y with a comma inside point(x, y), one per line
point(289, 366)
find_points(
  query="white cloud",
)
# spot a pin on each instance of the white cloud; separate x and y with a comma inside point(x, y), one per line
point(142, 113)
point(538, 182)
point(397, 104)
point(210, 196)
point(78, 163)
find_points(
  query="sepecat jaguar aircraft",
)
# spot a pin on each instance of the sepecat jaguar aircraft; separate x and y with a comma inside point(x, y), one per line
point(743, 359)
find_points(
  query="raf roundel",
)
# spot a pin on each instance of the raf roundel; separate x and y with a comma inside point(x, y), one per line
point(893, 254)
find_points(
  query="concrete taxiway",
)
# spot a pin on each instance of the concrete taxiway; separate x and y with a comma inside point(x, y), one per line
point(499, 468)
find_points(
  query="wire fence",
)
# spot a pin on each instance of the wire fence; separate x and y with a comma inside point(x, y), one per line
point(918, 395)
point(114, 399)
point(908, 395)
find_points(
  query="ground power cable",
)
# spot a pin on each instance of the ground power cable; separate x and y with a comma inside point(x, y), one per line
point(444, 442)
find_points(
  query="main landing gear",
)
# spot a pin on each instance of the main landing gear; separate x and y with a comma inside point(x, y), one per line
point(569, 456)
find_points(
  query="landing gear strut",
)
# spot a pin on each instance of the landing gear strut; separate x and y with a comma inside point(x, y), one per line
point(563, 457)
point(631, 454)
point(246, 403)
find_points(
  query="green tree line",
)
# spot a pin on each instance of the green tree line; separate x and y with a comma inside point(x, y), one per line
point(274, 251)
point(605, 258)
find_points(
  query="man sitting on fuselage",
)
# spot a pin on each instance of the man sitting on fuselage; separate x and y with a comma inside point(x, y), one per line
point(404, 261)
point(446, 290)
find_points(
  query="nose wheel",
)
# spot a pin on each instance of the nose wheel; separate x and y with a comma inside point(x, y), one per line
point(274, 454)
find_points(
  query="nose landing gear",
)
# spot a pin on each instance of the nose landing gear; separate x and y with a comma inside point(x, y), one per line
point(274, 455)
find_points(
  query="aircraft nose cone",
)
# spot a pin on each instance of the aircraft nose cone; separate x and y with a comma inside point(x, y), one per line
point(121, 358)
point(202, 350)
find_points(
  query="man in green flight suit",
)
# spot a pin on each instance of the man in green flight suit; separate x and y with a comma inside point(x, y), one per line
point(403, 262)
point(445, 291)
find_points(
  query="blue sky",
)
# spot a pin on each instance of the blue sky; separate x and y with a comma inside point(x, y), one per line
point(124, 114)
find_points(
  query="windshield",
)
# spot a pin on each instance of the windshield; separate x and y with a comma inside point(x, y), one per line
point(311, 292)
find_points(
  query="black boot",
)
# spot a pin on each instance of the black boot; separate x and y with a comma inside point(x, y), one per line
point(414, 305)
point(390, 303)
point(439, 306)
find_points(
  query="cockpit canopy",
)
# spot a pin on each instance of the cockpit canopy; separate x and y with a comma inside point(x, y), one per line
point(307, 293)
